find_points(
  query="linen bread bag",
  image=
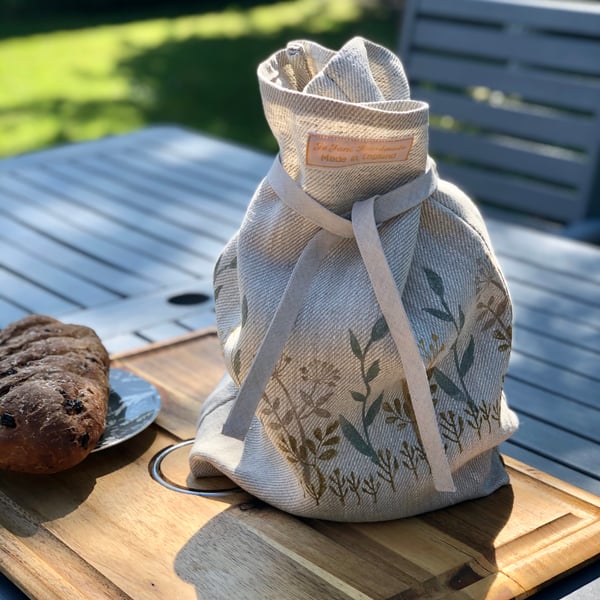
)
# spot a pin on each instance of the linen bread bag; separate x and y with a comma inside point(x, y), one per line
point(365, 323)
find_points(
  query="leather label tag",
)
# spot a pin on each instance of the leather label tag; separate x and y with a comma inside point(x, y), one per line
point(334, 152)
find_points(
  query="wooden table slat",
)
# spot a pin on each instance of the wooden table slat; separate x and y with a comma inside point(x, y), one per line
point(184, 190)
point(547, 377)
point(69, 259)
point(55, 279)
point(558, 327)
point(133, 187)
point(90, 235)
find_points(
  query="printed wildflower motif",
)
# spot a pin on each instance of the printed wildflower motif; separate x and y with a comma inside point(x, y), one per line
point(486, 276)
point(297, 410)
point(477, 413)
point(320, 373)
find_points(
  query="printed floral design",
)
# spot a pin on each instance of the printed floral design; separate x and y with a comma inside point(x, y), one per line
point(476, 414)
point(218, 270)
point(285, 412)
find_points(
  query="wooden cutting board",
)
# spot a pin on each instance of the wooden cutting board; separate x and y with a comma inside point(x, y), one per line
point(106, 529)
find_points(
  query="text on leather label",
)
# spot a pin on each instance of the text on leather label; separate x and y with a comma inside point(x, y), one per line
point(335, 151)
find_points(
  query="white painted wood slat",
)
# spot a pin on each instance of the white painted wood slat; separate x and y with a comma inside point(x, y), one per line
point(137, 212)
point(70, 260)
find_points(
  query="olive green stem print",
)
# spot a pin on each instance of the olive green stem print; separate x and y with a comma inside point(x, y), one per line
point(369, 410)
point(232, 264)
point(286, 413)
point(476, 415)
point(462, 363)
point(495, 309)
point(491, 313)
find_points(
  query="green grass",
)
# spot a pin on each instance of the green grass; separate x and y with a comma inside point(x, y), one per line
point(83, 82)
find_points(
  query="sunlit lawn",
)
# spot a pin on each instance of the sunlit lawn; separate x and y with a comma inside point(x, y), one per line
point(198, 71)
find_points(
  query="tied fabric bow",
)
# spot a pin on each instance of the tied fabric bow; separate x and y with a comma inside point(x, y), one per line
point(366, 214)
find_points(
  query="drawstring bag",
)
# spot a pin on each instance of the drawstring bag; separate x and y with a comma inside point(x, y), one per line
point(364, 320)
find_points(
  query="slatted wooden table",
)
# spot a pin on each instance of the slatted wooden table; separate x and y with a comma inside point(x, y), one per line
point(121, 234)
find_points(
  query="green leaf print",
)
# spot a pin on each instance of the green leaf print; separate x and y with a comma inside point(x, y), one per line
point(244, 310)
point(446, 383)
point(439, 314)
point(379, 330)
point(373, 371)
point(354, 344)
point(466, 362)
point(356, 439)
point(373, 410)
point(358, 396)
point(435, 282)
point(237, 363)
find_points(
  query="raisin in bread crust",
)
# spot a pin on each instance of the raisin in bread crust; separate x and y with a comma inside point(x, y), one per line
point(53, 394)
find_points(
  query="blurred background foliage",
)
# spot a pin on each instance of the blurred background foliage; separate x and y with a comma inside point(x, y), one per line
point(76, 70)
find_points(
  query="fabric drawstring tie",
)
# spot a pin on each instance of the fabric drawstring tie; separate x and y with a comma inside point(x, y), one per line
point(366, 214)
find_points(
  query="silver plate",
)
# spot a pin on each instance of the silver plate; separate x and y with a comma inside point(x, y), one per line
point(133, 405)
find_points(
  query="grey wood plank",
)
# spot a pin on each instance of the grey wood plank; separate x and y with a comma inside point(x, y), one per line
point(242, 176)
point(549, 252)
point(179, 189)
point(163, 331)
point(534, 197)
point(569, 285)
point(9, 312)
point(565, 448)
point(557, 381)
point(186, 144)
point(569, 16)
point(557, 327)
point(39, 271)
point(574, 54)
point(548, 465)
point(154, 196)
point(580, 419)
point(30, 296)
point(108, 251)
point(138, 212)
point(560, 167)
point(69, 151)
point(227, 181)
point(520, 120)
point(70, 260)
point(549, 88)
point(129, 315)
point(124, 342)
point(53, 194)
point(552, 305)
point(199, 320)
point(558, 354)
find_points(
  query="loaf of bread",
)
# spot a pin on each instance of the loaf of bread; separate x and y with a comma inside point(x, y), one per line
point(53, 394)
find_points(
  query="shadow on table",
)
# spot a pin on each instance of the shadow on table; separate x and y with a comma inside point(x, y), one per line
point(255, 550)
point(48, 497)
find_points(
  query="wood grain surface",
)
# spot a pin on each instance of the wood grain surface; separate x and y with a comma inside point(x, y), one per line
point(106, 529)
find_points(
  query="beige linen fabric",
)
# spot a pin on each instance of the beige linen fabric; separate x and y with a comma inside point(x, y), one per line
point(385, 318)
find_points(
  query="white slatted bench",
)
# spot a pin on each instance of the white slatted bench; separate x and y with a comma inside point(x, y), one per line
point(514, 93)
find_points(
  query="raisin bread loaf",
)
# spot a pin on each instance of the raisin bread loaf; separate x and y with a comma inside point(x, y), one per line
point(53, 394)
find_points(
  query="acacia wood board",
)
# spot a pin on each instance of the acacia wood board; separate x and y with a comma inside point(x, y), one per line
point(106, 529)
